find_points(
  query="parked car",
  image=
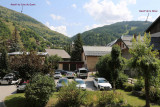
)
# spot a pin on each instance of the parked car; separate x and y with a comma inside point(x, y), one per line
point(21, 87)
point(9, 76)
point(9, 81)
point(80, 83)
point(70, 75)
point(63, 72)
point(102, 84)
point(61, 83)
point(82, 72)
point(6, 81)
point(57, 75)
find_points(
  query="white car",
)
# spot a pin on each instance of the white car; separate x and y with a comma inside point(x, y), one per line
point(80, 83)
point(21, 87)
point(8, 81)
point(102, 84)
point(57, 75)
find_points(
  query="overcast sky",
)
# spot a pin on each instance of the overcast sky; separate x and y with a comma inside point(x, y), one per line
point(76, 16)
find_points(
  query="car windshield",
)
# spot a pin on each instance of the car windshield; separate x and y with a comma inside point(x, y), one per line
point(63, 80)
point(57, 73)
point(80, 82)
point(8, 75)
point(103, 81)
point(69, 73)
point(83, 71)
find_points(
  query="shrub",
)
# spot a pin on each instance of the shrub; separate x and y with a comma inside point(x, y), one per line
point(39, 90)
point(154, 94)
point(111, 99)
point(121, 80)
point(71, 96)
point(139, 85)
point(128, 87)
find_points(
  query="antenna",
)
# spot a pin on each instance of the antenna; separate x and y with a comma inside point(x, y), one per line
point(147, 17)
point(22, 9)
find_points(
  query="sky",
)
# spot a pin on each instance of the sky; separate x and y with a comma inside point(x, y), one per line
point(71, 17)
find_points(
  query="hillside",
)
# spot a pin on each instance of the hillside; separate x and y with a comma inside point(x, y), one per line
point(104, 35)
point(33, 34)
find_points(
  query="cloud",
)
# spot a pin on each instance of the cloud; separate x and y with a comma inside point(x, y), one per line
point(61, 29)
point(93, 26)
point(56, 17)
point(74, 5)
point(143, 18)
point(107, 12)
point(48, 2)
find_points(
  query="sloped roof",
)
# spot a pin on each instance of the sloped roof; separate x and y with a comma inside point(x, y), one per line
point(21, 53)
point(148, 29)
point(59, 52)
point(127, 39)
point(96, 50)
point(112, 43)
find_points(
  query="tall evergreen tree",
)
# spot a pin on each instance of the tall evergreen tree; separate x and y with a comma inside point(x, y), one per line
point(116, 64)
point(16, 44)
point(77, 49)
point(4, 62)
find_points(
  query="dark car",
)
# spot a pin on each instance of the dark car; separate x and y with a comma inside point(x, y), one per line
point(63, 72)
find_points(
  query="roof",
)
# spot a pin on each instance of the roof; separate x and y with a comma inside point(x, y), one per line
point(21, 53)
point(96, 50)
point(148, 29)
point(127, 39)
point(155, 34)
point(112, 43)
point(59, 52)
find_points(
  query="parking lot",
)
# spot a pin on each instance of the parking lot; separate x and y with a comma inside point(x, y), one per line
point(88, 81)
point(6, 90)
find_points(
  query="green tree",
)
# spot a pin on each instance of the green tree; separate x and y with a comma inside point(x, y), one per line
point(28, 64)
point(16, 44)
point(4, 62)
point(39, 90)
point(116, 64)
point(144, 61)
point(53, 61)
point(77, 50)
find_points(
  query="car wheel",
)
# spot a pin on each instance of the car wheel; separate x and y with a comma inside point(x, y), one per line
point(17, 91)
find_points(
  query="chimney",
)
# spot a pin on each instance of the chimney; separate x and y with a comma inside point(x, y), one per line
point(135, 36)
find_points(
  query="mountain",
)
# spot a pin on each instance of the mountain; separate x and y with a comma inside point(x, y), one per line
point(33, 34)
point(104, 35)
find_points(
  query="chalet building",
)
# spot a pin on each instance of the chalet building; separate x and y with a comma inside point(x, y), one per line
point(62, 53)
point(91, 55)
point(125, 43)
point(154, 30)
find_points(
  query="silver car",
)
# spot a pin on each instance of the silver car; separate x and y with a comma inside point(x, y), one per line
point(70, 75)
point(80, 83)
point(21, 87)
point(57, 75)
point(61, 83)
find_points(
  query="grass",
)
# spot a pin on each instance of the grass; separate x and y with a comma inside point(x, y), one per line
point(15, 100)
point(18, 100)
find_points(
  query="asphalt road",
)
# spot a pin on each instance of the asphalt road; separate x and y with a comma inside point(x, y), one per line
point(6, 90)
point(88, 81)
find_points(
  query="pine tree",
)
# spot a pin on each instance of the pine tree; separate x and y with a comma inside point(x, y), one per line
point(77, 49)
point(16, 44)
point(4, 62)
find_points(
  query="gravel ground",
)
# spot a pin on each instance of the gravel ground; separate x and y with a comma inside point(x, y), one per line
point(6, 90)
